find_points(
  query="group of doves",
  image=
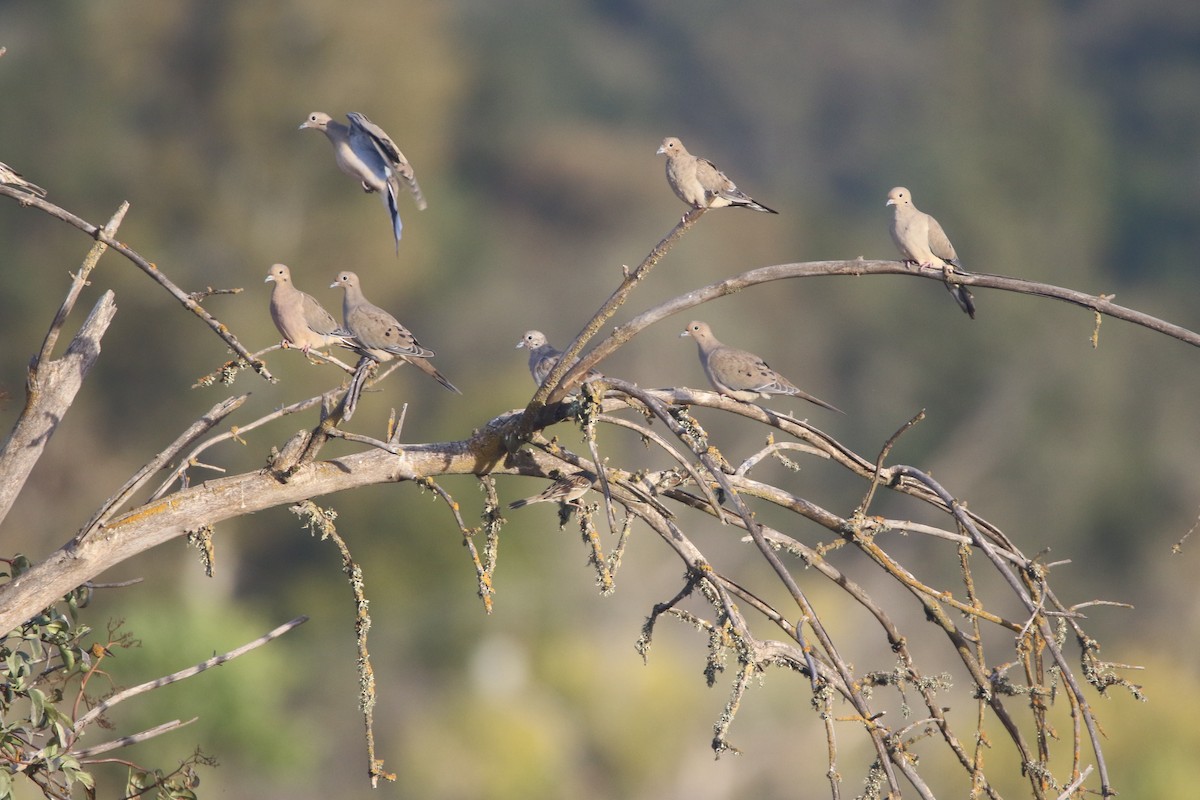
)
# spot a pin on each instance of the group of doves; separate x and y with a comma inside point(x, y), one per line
point(365, 152)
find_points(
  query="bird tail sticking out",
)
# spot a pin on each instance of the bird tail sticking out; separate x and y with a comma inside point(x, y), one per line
point(962, 295)
point(389, 201)
point(430, 370)
point(411, 181)
point(754, 205)
point(966, 300)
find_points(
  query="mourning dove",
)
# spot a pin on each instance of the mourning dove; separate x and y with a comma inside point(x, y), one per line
point(543, 356)
point(698, 183)
point(300, 319)
point(566, 489)
point(10, 177)
point(741, 374)
point(364, 152)
point(922, 241)
point(378, 335)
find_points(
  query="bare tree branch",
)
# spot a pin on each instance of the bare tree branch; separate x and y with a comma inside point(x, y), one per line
point(183, 674)
point(1101, 304)
point(125, 741)
point(50, 390)
point(149, 268)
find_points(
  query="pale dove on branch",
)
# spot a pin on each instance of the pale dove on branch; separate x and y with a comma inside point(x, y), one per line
point(741, 374)
point(379, 335)
point(300, 319)
point(566, 489)
point(922, 241)
point(10, 177)
point(543, 356)
point(697, 182)
point(367, 154)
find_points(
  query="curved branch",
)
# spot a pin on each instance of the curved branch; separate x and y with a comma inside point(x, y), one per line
point(146, 266)
point(1101, 304)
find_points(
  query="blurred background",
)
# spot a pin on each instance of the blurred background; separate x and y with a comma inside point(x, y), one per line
point(1058, 142)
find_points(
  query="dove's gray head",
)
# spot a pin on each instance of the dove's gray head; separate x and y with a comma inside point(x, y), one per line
point(345, 280)
point(700, 332)
point(532, 340)
point(317, 119)
point(279, 273)
point(899, 196)
point(671, 147)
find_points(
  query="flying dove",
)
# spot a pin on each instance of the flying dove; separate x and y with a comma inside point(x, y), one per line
point(300, 319)
point(378, 335)
point(566, 489)
point(697, 182)
point(741, 374)
point(543, 356)
point(364, 152)
point(922, 241)
point(10, 177)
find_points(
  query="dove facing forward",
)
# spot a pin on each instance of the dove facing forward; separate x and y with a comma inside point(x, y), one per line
point(10, 177)
point(739, 373)
point(299, 317)
point(380, 336)
point(697, 181)
point(365, 152)
point(922, 241)
point(544, 357)
point(566, 489)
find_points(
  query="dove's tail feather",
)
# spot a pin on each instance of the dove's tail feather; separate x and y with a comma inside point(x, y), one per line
point(430, 370)
point(964, 298)
point(415, 188)
point(350, 403)
point(389, 200)
point(754, 205)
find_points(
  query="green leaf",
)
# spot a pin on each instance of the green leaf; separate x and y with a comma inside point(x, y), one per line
point(37, 712)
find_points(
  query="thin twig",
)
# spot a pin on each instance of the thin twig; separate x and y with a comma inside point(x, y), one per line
point(80, 280)
point(149, 268)
point(883, 454)
point(125, 741)
point(193, 432)
point(1075, 784)
point(389, 447)
point(174, 677)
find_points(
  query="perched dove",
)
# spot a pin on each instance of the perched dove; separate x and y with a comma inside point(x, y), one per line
point(10, 177)
point(566, 489)
point(364, 152)
point(300, 319)
point(378, 335)
point(741, 374)
point(697, 182)
point(922, 241)
point(543, 356)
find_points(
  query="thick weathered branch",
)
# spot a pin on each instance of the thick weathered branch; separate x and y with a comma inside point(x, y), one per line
point(215, 501)
point(50, 390)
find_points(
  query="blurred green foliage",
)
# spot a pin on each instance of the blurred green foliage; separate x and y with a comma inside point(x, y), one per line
point(1057, 142)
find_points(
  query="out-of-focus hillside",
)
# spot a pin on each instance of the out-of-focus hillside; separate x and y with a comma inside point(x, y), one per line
point(1056, 142)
